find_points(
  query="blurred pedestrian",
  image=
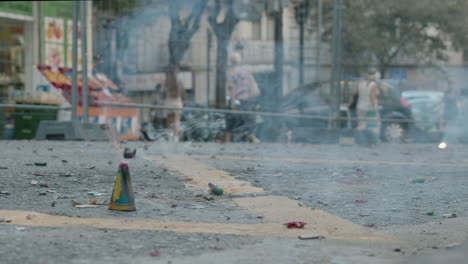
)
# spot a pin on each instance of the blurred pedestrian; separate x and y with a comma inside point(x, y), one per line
point(367, 103)
point(174, 94)
point(158, 116)
point(242, 90)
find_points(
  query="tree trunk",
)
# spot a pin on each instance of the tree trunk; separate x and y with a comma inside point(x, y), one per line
point(221, 70)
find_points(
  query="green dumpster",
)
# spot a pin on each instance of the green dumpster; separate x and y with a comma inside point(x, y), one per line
point(27, 121)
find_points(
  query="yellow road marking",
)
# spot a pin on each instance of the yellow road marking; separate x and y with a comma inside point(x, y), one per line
point(321, 161)
point(201, 174)
point(267, 230)
point(280, 209)
point(276, 209)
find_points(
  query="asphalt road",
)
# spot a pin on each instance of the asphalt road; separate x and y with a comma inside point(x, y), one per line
point(366, 203)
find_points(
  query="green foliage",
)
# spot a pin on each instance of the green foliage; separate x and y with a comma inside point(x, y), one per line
point(116, 7)
point(411, 32)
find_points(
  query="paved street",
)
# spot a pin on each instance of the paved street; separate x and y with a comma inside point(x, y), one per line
point(387, 204)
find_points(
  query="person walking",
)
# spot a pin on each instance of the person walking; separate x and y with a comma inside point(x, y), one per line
point(174, 94)
point(367, 103)
point(242, 90)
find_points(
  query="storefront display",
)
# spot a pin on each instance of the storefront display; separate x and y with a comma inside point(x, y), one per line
point(101, 89)
point(12, 66)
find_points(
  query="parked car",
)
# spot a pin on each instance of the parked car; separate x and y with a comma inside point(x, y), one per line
point(393, 106)
point(427, 113)
point(314, 99)
point(422, 95)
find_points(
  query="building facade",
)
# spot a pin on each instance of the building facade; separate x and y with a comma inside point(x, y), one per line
point(32, 33)
point(145, 55)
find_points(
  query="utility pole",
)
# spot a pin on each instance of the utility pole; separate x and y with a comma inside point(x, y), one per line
point(318, 41)
point(336, 60)
point(84, 62)
point(277, 93)
point(208, 63)
point(301, 12)
point(74, 96)
point(279, 59)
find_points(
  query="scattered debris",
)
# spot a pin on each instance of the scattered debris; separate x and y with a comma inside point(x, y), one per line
point(295, 224)
point(20, 228)
point(310, 237)
point(90, 204)
point(397, 250)
point(29, 217)
point(75, 203)
point(452, 245)
point(215, 189)
point(208, 197)
point(42, 193)
point(449, 216)
point(4, 220)
point(5, 192)
point(52, 204)
point(360, 201)
point(40, 164)
point(173, 205)
point(3, 168)
point(43, 185)
point(198, 207)
point(430, 213)
point(33, 182)
point(97, 194)
point(363, 215)
point(154, 253)
point(40, 174)
point(213, 157)
point(260, 217)
point(109, 162)
point(129, 153)
point(322, 203)
point(28, 164)
point(87, 206)
point(418, 180)
point(65, 161)
point(370, 225)
point(90, 167)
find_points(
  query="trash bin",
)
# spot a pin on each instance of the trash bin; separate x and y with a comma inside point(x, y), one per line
point(26, 121)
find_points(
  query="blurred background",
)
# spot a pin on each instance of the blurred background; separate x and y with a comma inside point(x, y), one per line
point(307, 57)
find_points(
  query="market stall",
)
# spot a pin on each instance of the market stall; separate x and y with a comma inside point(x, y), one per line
point(101, 89)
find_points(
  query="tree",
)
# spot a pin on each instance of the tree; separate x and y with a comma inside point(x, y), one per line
point(108, 17)
point(384, 32)
point(182, 30)
point(223, 31)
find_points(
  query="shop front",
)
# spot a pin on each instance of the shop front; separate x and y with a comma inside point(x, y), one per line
point(16, 49)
